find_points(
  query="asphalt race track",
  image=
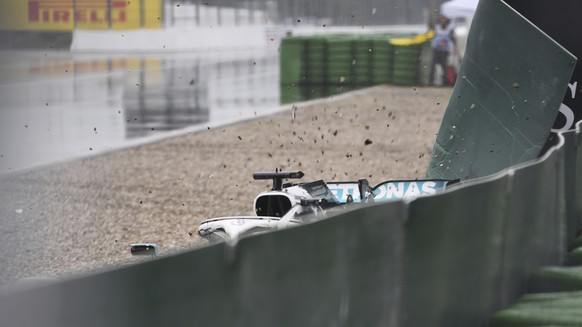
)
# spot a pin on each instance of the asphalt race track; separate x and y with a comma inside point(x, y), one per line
point(57, 105)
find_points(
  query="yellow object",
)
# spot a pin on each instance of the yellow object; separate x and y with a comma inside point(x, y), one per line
point(419, 39)
point(66, 15)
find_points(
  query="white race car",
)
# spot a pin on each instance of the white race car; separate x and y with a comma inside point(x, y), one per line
point(292, 204)
point(282, 206)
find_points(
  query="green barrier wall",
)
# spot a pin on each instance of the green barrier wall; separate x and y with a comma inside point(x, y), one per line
point(340, 272)
point(512, 80)
point(571, 171)
point(578, 178)
point(453, 254)
point(534, 226)
point(163, 292)
point(343, 271)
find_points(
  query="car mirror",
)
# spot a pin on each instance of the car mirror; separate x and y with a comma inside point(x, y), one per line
point(144, 249)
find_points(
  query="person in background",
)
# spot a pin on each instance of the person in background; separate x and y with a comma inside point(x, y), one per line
point(443, 45)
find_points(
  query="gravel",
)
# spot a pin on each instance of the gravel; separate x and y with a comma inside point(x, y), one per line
point(80, 216)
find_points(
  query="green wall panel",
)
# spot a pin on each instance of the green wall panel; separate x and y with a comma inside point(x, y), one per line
point(453, 251)
point(534, 231)
point(511, 84)
point(323, 274)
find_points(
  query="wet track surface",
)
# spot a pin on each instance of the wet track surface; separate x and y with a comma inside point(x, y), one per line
point(56, 106)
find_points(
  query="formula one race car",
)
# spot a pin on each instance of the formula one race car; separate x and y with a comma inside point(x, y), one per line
point(293, 204)
point(282, 206)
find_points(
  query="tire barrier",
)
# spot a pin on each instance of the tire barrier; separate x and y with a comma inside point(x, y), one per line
point(406, 62)
point(348, 62)
point(292, 53)
point(575, 257)
point(546, 309)
point(315, 60)
point(340, 58)
point(382, 61)
point(557, 304)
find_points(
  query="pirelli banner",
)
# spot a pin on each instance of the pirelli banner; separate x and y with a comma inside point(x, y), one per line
point(66, 15)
